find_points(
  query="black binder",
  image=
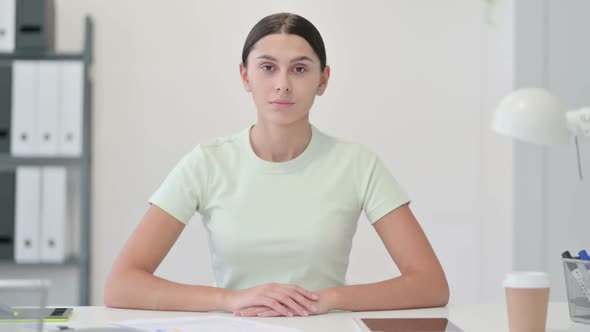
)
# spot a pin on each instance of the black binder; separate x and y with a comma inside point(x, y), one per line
point(35, 25)
point(5, 105)
point(7, 195)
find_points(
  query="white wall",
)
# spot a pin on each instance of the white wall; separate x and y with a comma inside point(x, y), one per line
point(413, 80)
point(497, 153)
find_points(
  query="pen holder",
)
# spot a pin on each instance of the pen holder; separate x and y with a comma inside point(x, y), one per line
point(577, 283)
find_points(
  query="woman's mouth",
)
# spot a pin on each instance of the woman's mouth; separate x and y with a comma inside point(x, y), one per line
point(281, 104)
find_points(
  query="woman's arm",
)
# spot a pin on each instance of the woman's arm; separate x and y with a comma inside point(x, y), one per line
point(132, 283)
point(422, 282)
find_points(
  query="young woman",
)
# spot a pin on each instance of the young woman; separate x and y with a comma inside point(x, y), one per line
point(280, 201)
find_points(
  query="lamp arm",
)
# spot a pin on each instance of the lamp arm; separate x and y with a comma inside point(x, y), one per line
point(578, 121)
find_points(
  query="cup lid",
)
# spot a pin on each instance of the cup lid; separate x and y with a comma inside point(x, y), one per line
point(526, 279)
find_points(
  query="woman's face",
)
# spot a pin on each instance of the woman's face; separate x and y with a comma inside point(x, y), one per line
point(284, 77)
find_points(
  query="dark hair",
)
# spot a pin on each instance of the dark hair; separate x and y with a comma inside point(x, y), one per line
point(290, 24)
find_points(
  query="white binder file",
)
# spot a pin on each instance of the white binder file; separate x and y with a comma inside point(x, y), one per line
point(53, 215)
point(73, 208)
point(72, 94)
point(7, 25)
point(48, 105)
point(27, 209)
point(24, 138)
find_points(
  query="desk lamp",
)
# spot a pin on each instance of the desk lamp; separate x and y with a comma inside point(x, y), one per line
point(536, 116)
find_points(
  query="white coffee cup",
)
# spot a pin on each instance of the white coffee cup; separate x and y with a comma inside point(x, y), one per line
point(527, 299)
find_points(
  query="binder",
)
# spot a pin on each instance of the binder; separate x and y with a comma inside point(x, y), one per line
point(7, 186)
point(34, 28)
point(47, 108)
point(72, 97)
point(24, 138)
point(27, 213)
point(48, 105)
point(73, 208)
point(5, 104)
point(54, 242)
point(7, 25)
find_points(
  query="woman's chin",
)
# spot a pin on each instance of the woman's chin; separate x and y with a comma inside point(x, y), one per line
point(283, 118)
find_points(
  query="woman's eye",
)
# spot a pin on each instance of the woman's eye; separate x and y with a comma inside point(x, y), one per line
point(266, 67)
point(300, 69)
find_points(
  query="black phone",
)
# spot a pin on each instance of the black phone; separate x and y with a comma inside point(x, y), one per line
point(33, 314)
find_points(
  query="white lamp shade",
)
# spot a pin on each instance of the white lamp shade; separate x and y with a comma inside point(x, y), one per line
point(533, 115)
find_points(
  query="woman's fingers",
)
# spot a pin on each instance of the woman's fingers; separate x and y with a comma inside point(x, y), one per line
point(276, 305)
point(301, 300)
point(304, 292)
point(258, 312)
point(269, 313)
point(251, 312)
point(286, 299)
point(296, 298)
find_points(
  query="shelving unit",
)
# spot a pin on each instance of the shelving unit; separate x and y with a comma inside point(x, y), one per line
point(84, 161)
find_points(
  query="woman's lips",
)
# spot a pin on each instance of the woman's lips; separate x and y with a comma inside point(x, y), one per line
point(281, 104)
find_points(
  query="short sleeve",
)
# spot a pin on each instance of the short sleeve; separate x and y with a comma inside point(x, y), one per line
point(184, 190)
point(380, 192)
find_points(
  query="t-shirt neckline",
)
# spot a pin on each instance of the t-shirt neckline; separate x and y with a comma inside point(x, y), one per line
point(285, 166)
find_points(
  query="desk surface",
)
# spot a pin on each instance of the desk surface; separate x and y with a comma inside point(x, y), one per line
point(478, 317)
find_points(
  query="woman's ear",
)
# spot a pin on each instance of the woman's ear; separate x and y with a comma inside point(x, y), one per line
point(244, 76)
point(324, 81)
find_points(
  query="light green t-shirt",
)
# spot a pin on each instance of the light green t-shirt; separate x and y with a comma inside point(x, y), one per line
point(287, 222)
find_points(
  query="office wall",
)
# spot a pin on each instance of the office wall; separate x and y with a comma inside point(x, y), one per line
point(497, 153)
point(412, 80)
point(552, 204)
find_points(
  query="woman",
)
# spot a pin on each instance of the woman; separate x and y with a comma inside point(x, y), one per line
point(280, 201)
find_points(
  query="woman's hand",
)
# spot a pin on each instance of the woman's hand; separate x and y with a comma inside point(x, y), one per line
point(283, 299)
point(323, 305)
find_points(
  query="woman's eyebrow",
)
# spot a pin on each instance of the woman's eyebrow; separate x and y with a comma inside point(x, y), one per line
point(299, 58)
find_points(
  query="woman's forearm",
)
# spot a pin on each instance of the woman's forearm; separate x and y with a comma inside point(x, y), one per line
point(136, 289)
point(418, 290)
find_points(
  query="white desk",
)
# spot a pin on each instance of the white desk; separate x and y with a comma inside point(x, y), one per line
point(479, 317)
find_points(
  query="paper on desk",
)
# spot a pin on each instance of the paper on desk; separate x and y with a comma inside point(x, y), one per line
point(201, 324)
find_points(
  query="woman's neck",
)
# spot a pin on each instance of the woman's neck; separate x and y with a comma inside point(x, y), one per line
point(280, 143)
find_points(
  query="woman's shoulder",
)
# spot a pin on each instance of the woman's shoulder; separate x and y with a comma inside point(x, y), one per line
point(219, 144)
point(223, 141)
point(347, 147)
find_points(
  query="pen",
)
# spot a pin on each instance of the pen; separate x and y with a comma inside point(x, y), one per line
point(584, 256)
point(9, 310)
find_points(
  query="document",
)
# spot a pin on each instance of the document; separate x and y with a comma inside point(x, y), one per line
point(202, 324)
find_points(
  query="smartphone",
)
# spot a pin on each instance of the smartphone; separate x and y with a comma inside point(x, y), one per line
point(33, 314)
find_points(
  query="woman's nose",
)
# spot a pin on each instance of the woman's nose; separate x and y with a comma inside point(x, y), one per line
point(283, 84)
